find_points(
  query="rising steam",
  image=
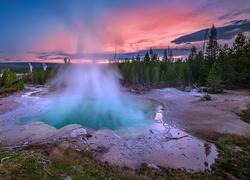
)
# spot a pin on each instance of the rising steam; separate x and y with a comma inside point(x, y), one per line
point(93, 97)
point(91, 94)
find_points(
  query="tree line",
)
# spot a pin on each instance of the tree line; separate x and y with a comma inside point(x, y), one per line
point(39, 76)
point(9, 82)
point(219, 67)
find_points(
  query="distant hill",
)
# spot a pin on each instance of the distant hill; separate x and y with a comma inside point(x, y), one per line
point(26, 65)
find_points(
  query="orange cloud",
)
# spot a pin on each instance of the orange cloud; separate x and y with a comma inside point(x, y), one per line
point(133, 29)
point(153, 26)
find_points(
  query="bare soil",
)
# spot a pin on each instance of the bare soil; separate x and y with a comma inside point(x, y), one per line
point(7, 103)
point(205, 119)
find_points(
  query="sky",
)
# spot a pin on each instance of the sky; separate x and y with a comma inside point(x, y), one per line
point(49, 30)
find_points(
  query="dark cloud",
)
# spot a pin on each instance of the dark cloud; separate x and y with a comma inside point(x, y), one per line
point(59, 55)
point(4, 59)
point(226, 16)
point(18, 60)
point(223, 33)
point(238, 22)
point(232, 15)
point(197, 36)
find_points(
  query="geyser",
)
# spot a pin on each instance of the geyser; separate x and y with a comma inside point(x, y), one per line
point(93, 97)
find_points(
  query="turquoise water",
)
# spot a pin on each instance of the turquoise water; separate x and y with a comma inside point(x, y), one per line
point(95, 114)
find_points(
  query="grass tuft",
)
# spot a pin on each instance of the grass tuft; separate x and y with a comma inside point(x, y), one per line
point(244, 116)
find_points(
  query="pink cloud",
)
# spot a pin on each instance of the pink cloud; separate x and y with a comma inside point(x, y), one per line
point(58, 40)
point(135, 28)
point(153, 26)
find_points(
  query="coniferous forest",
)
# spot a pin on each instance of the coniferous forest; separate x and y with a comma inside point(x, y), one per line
point(218, 67)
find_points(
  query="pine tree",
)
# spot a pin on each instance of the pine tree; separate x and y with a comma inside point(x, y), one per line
point(241, 60)
point(138, 58)
point(165, 56)
point(170, 74)
point(179, 78)
point(193, 53)
point(171, 55)
point(147, 76)
point(155, 77)
point(187, 73)
point(146, 57)
point(151, 53)
point(195, 63)
point(239, 44)
point(214, 80)
point(20, 85)
point(133, 75)
point(8, 79)
point(163, 77)
point(226, 63)
point(154, 57)
point(212, 48)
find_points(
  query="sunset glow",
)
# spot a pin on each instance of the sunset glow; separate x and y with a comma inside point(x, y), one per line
point(90, 28)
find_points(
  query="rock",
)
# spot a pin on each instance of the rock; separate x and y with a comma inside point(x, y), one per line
point(158, 117)
point(26, 143)
point(152, 166)
point(185, 88)
point(207, 97)
point(188, 89)
point(77, 132)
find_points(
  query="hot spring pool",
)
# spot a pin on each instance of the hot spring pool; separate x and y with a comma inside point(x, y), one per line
point(96, 114)
point(137, 137)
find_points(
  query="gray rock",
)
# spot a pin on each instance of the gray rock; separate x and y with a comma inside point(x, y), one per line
point(77, 132)
point(152, 166)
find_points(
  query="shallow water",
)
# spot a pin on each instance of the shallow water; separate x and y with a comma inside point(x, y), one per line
point(168, 146)
point(95, 114)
